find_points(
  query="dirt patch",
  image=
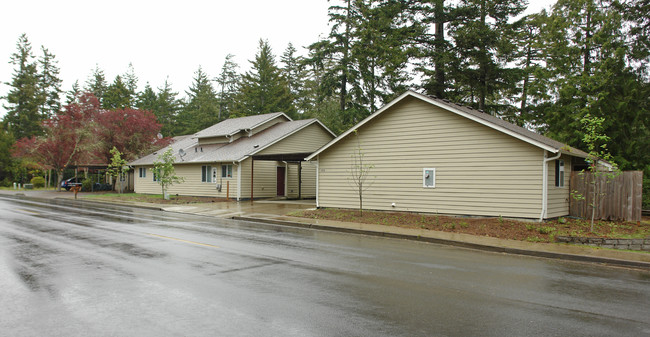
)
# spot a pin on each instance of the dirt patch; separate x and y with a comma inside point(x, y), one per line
point(493, 227)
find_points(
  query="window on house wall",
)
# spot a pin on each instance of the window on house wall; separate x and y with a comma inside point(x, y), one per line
point(559, 173)
point(156, 176)
point(206, 173)
point(226, 171)
point(143, 172)
point(429, 177)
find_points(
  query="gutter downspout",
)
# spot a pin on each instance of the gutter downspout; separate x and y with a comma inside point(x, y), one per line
point(317, 179)
point(542, 215)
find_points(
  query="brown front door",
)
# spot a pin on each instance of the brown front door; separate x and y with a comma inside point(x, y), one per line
point(280, 174)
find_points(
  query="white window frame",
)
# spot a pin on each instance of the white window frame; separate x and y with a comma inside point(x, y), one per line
point(226, 169)
point(424, 177)
point(156, 175)
point(143, 172)
point(206, 174)
point(559, 179)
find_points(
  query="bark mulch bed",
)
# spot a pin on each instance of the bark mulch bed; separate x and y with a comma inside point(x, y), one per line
point(494, 227)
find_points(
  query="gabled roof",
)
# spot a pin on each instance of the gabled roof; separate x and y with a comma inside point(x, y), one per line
point(236, 151)
point(488, 120)
point(233, 126)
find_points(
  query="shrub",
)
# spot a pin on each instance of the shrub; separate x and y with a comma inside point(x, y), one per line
point(87, 185)
point(38, 182)
point(6, 182)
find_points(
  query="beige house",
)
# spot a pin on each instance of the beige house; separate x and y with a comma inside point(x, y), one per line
point(257, 156)
point(430, 155)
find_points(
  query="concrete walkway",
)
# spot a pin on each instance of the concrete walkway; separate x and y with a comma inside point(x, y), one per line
point(275, 212)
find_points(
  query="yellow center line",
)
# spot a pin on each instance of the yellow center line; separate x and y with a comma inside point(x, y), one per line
point(186, 241)
point(27, 211)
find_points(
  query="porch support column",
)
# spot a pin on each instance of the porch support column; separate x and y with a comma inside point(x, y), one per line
point(300, 180)
point(252, 186)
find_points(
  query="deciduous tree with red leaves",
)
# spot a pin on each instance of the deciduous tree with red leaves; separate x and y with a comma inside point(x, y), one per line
point(68, 137)
point(133, 132)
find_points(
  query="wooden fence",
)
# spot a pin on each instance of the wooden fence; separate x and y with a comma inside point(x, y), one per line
point(619, 198)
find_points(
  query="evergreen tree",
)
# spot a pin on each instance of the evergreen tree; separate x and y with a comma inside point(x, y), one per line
point(202, 108)
point(589, 59)
point(73, 93)
point(24, 99)
point(131, 83)
point(96, 83)
point(227, 83)
point(295, 74)
point(50, 84)
point(117, 95)
point(335, 52)
point(262, 89)
point(147, 99)
point(7, 162)
point(484, 43)
point(167, 109)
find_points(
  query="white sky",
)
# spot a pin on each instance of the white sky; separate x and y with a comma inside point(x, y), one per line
point(160, 38)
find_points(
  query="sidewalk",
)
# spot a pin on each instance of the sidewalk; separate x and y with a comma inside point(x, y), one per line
point(274, 212)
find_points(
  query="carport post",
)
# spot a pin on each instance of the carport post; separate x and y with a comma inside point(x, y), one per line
point(300, 180)
point(252, 166)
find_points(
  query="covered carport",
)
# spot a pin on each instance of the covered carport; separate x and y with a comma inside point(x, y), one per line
point(289, 158)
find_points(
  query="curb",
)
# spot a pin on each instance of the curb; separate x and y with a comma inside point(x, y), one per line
point(496, 249)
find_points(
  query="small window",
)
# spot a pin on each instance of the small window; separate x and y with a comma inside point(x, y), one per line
point(226, 171)
point(206, 173)
point(429, 177)
point(155, 175)
point(559, 173)
point(143, 172)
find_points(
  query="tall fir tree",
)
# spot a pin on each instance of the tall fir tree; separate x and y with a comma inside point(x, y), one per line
point(117, 95)
point(23, 118)
point(72, 94)
point(263, 89)
point(131, 82)
point(96, 83)
point(147, 99)
point(49, 84)
point(202, 108)
point(227, 83)
point(295, 74)
point(167, 109)
point(335, 52)
point(484, 44)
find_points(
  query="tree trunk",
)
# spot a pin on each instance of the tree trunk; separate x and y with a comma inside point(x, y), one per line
point(439, 44)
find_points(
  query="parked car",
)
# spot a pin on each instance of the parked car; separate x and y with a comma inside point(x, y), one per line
point(68, 184)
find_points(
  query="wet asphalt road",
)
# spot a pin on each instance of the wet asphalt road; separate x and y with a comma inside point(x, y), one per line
point(80, 269)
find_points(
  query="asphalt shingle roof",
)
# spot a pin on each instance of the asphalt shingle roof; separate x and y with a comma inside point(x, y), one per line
point(234, 125)
point(227, 152)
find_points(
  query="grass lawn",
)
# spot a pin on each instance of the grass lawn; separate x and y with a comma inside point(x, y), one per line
point(494, 227)
point(150, 198)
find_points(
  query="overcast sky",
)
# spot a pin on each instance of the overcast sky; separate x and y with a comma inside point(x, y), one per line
point(160, 38)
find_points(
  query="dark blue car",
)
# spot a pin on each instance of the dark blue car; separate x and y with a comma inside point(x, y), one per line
point(68, 184)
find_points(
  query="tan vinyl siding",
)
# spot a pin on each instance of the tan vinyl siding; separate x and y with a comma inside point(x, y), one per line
point(558, 197)
point(479, 171)
point(192, 184)
point(308, 180)
point(309, 139)
point(265, 180)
